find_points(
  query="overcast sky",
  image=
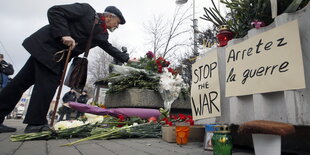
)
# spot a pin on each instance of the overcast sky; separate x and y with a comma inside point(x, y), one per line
point(21, 18)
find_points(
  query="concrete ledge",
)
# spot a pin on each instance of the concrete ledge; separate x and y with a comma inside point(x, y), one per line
point(143, 98)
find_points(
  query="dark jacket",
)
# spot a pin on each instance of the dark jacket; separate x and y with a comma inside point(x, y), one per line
point(69, 96)
point(73, 20)
point(82, 99)
point(6, 69)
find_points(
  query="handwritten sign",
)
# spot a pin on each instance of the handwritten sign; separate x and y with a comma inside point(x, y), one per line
point(270, 61)
point(205, 90)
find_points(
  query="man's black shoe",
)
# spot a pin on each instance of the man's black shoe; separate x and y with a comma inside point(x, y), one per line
point(4, 128)
point(37, 128)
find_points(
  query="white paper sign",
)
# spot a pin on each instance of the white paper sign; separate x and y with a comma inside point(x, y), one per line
point(270, 61)
point(205, 90)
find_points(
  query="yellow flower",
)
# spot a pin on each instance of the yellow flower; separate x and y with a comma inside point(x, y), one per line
point(223, 139)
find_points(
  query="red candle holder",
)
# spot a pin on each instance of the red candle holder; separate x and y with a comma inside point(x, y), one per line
point(224, 35)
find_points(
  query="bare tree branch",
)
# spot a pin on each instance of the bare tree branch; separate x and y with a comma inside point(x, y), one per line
point(167, 35)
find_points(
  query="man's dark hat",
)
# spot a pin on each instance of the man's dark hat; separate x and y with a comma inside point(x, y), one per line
point(117, 12)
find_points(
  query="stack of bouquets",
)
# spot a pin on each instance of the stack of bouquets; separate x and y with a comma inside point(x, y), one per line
point(151, 73)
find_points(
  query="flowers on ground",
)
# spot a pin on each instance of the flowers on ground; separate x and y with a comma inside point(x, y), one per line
point(68, 124)
point(173, 119)
point(107, 129)
point(92, 119)
point(145, 130)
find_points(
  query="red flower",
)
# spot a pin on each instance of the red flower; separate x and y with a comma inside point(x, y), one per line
point(164, 119)
point(150, 55)
point(169, 123)
point(172, 71)
point(157, 62)
point(121, 118)
point(191, 122)
point(174, 117)
point(189, 117)
point(167, 63)
point(159, 69)
point(161, 59)
point(182, 117)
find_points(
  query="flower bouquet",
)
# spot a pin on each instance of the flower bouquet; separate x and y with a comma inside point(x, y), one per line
point(150, 73)
point(172, 120)
point(170, 87)
point(109, 127)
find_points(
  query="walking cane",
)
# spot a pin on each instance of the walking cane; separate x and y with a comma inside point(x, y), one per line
point(60, 86)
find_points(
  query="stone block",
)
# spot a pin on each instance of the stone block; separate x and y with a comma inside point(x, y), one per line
point(143, 98)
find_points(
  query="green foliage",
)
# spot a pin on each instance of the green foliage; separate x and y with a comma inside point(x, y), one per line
point(213, 15)
point(243, 12)
point(145, 63)
point(208, 37)
point(139, 80)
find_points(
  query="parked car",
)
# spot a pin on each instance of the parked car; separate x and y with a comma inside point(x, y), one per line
point(20, 112)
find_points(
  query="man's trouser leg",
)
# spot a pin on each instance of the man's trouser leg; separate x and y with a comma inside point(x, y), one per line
point(46, 83)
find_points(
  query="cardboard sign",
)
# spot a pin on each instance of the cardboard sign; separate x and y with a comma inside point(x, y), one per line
point(270, 61)
point(205, 90)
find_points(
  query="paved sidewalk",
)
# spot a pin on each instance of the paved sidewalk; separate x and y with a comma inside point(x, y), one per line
point(98, 147)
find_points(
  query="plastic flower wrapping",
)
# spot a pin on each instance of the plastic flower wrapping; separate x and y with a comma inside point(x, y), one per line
point(170, 87)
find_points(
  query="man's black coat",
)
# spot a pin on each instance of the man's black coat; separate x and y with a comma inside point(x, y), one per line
point(73, 20)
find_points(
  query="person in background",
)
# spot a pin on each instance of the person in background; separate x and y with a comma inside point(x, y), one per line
point(69, 27)
point(68, 97)
point(83, 100)
point(6, 69)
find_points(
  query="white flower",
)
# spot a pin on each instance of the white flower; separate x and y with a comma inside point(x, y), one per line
point(76, 123)
point(61, 125)
point(92, 119)
point(67, 124)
